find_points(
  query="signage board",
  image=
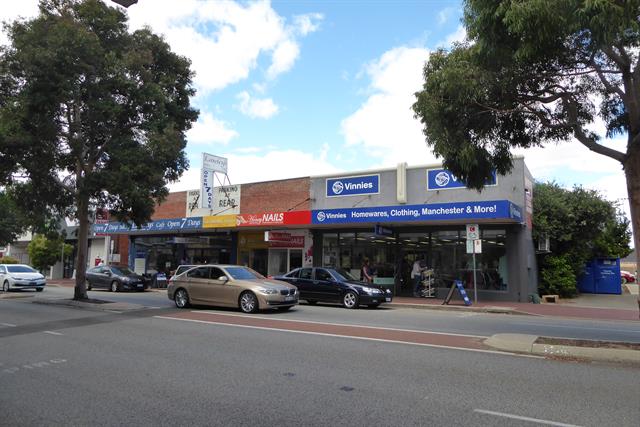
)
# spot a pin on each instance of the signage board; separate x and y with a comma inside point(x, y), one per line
point(226, 200)
point(442, 179)
point(206, 188)
point(274, 218)
point(219, 221)
point(214, 163)
point(496, 209)
point(161, 225)
point(281, 239)
point(379, 230)
point(474, 246)
point(473, 231)
point(353, 185)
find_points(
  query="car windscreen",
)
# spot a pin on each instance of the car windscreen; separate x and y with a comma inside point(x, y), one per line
point(343, 274)
point(20, 269)
point(122, 271)
point(243, 273)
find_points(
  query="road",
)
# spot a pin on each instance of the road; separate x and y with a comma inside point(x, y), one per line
point(68, 366)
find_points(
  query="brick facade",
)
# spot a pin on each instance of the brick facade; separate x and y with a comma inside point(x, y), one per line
point(276, 196)
point(174, 206)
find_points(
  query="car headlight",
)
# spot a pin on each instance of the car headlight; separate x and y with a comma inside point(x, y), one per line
point(371, 290)
point(267, 291)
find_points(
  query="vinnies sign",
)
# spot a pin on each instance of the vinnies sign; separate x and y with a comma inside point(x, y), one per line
point(353, 185)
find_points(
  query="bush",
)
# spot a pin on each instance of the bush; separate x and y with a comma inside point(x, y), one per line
point(558, 277)
point(9, 260)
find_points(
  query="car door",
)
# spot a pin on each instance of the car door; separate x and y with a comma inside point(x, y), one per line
point(223, 292)
point(3, 272)
point(304, 283)
point(91, 276)
point(326, 286)
point(197, 285)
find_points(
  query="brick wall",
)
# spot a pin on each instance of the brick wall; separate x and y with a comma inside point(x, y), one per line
point(174, 206)
point(275, 196)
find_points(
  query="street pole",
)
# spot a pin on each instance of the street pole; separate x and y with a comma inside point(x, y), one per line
point(475, 288)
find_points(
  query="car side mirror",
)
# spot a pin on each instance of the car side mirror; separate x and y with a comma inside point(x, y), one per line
point(108, 273)
point(223, 278)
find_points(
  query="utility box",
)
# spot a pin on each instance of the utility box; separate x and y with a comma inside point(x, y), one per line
point(601, 276)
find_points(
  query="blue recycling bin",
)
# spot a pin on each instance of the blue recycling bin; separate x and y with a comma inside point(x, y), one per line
point(601, 276)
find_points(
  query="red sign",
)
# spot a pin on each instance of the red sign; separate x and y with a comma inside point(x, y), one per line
point(279, 239)
point(102, 217)
point(274, 218)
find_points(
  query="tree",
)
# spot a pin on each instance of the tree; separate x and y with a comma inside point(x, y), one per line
point(91, 116)
point(535, 72)
point(45, 252)
point(580, 224)
point(12, 222)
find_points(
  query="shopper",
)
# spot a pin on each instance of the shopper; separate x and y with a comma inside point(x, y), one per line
point(365, 272)
point(416, 276)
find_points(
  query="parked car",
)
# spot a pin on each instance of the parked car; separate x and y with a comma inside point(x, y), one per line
point(115, 278)
point(182, 268)
point(335, 285)
point(21, 276)
point(627, 277)
point(230, 286)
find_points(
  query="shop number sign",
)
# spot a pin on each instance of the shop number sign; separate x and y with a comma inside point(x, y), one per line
point(473, 232)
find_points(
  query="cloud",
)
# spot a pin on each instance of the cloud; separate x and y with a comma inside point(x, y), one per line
point(273, 165)
point(459, 35)
point(12, 10)
point(256, 108)
point(384, 127)
point(209, 130)
point(444, 15)
point(225, 39)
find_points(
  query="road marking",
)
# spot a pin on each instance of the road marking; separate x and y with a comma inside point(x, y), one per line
point(548, 325)
point(338, 324)
point(346, 336)
point(519, 417)
point(52, 333)
point(114, 311)
point(11, 325)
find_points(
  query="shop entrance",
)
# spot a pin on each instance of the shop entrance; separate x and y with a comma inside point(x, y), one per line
point(283, 260)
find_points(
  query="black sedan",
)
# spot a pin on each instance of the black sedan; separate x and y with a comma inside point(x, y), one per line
point(114, 278)
point(335, 285)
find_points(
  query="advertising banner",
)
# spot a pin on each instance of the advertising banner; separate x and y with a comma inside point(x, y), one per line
point(498, 209)
point(173, 224)
point(214, 163)
point(226, 201)
point(274, 218)
point(353, 186)
point(442, 179)
point(281, 239)
point(206, 188)
point(219, 221)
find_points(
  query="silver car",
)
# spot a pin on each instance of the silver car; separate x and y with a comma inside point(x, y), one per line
point(13, 276)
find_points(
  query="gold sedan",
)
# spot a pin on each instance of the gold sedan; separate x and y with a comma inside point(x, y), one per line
point(230, 286)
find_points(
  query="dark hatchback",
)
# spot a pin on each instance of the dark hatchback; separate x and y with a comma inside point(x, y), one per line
point(114, 278)
point(335, 285)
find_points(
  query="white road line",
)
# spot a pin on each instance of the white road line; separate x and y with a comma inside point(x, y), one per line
point(339, 324)
point(11, 325)
point(114, 311)
point(52, 333)
point(519, 417)
point(505, 353)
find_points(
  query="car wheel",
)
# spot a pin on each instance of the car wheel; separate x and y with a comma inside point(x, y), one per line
point(39, 289)
point(350, 300)
point(5, 286)
point(248, 302)
point(181, 298)
point(88, 285)
point(114, 286)
point(312, 302)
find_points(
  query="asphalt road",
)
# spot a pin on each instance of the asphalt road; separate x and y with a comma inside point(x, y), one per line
point(67, 366)
point(483, 324)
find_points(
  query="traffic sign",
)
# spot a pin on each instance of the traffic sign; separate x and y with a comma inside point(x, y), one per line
point(473, 232)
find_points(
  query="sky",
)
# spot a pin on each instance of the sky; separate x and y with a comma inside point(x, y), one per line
point(300, 87)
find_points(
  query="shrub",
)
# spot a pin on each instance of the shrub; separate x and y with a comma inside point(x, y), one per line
point(558, 277)
point(8, 260)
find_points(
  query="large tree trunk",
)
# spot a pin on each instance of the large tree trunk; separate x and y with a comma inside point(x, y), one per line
point(80, 290)
point(632, 173)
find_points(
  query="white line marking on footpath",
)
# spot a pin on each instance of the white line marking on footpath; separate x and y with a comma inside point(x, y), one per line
point(341, 324)
point(11, 325)
point(348, 336)
point(519, 417)
point(52, 333)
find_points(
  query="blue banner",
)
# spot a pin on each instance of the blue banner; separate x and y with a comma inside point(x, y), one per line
point(172, 224)
point(497, 209)
point(442, 179)
point(353, 185)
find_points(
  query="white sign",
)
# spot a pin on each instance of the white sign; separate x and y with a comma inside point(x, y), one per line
point(206, 189)
point(474, 246)
point(226, 201)
point(214, 163)
point(473, 232)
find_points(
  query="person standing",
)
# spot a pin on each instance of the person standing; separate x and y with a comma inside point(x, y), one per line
point(416, 276)
point(366, 272)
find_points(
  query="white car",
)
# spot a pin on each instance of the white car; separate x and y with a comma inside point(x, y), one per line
point(20, 276)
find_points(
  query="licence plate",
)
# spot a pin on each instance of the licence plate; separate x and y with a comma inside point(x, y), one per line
point(140, 286)
point(289, 298)
point(387, 299)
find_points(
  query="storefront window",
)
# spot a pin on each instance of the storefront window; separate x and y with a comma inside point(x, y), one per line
point(330, 250)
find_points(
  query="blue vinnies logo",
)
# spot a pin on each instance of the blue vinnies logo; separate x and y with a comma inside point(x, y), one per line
point(442, 179)
point(337, 187)
point(321, 216)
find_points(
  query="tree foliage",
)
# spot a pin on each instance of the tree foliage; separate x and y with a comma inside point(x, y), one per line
point(12, 222)
point(557, 277)
point(92, 116)
point(580, 224)
point(535, 72)
point(8, 260)
point(45, 252)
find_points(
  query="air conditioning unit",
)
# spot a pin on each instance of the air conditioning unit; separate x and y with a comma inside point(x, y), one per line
point(543, 243)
